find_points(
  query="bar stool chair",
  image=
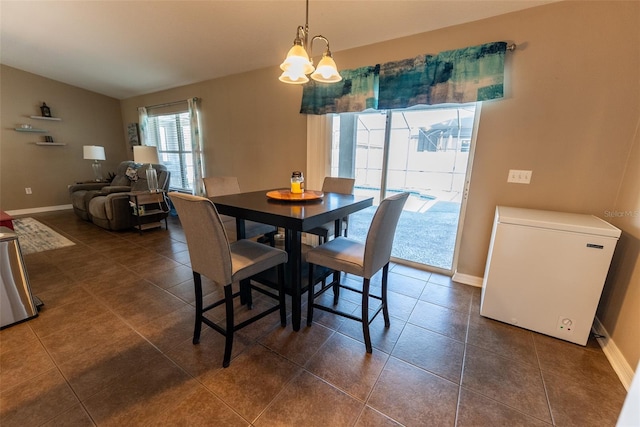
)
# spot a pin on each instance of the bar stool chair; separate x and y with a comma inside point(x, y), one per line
point(223, 185)
point(333, 185)
point(212, 256)
point(364, 260)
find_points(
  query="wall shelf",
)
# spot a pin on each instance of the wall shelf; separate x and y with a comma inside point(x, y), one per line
point(55, 119)
point(50, 143)
point(31, 130)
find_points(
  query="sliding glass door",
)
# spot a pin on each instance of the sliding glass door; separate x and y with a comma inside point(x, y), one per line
point(423, 151)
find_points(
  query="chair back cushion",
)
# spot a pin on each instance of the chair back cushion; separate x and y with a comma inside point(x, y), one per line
point(221, 185)
point(206, 237)
point(379, 241)
point(338, 185)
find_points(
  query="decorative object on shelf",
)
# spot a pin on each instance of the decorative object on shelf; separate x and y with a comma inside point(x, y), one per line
point(25, 126)
point(48, 138)
point(95, 153)
point(148, 154)
point(133, 133)
point(46, 111)
point(298, 64)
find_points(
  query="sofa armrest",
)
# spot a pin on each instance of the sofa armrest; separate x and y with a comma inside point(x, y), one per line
point(86, 186)
point(118, 209)
point(115, 189)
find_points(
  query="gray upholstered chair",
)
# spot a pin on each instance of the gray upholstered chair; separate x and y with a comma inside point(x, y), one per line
point(334, 185)
point(111, 210)
point(223, 185)
point(364, 260)
point(224, 263)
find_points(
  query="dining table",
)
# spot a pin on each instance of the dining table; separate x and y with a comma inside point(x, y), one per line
point(295, 215)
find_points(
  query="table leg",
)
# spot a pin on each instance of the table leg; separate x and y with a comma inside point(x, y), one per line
point(336, 275)
point(293, 243)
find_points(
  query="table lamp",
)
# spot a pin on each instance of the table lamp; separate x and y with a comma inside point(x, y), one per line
point(147, 154)
point(95, 153)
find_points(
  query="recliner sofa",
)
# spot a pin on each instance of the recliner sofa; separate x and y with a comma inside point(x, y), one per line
point(107, 206)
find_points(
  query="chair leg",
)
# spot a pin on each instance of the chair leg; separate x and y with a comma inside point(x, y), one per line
point(310, 292)
point(365, 315)
point(336, 287)
point(228, 345)
point(282, 296)
point(245, 293)
point(385, 306)
point(197, 280)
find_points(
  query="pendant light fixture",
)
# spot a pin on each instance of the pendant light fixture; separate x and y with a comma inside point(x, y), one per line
point(298, 64)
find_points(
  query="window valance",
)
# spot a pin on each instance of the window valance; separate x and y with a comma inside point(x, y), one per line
point(471, 74)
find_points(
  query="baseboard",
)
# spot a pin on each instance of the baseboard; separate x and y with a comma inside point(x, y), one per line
point(613, 354)
point(39, 210)
point(467, 279)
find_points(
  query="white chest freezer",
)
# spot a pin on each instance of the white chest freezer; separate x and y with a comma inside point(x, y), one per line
point(545, 270)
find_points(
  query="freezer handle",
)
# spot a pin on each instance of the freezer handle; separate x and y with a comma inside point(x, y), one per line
point(594, 246)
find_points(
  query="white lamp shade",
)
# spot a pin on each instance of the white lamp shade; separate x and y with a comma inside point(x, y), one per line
point(93, 152)
point(293, 76)
point(145, 154)
point(326, 72)
point(298, 58)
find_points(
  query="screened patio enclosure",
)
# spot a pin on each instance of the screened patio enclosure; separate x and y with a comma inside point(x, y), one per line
point(422, 151)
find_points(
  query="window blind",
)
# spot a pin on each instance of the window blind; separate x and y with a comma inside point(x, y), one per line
point(172, 135)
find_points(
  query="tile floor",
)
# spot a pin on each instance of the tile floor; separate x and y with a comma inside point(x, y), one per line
point(112, 346)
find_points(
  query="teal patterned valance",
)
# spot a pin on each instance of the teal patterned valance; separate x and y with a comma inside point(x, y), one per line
point(357, 91)
point(457, 76)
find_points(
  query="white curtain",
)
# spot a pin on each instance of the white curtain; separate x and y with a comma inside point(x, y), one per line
point(196, 147)
point(144, 123)
point(318, 150)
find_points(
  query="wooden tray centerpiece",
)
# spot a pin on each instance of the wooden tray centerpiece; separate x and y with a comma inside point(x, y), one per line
point(288, 196)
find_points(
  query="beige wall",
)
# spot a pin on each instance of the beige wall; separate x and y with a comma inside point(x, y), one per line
point(251, 126)
point(619, 309)
point(87, 119)
point(570, 114)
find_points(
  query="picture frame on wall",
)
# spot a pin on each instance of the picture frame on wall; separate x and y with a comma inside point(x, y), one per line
point(133, 133)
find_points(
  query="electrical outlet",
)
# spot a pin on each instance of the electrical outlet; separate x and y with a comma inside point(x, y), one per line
point(519, 176)
point(27, 190)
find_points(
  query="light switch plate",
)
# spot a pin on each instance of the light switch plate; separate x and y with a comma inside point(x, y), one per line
point(519, 176)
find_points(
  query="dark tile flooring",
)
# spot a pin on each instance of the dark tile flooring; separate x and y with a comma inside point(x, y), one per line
point(112, 346)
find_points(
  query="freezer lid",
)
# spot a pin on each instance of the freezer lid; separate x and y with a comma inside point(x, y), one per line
point(561, 221)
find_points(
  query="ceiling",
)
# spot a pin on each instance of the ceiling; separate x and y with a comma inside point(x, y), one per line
point(128, 48)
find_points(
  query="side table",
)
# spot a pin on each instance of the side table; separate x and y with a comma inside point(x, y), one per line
point(149, 208)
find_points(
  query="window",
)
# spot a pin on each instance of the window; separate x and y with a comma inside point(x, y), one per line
point(171, 133)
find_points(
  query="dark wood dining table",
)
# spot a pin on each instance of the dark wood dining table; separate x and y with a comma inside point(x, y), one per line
point(295, 217)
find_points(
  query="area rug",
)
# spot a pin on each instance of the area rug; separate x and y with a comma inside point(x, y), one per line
point(37, 237)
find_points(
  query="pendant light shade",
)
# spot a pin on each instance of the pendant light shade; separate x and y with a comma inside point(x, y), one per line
point(298, 64)
point(326, 72)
